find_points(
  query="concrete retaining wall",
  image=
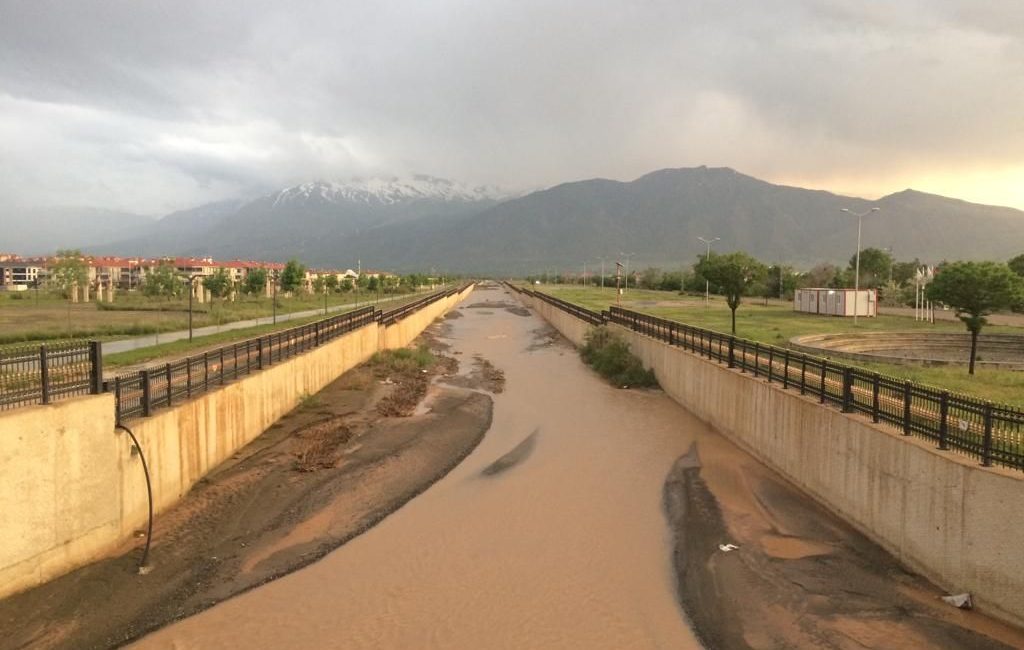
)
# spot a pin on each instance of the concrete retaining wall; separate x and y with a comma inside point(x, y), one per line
point(72, 491)
point(942, 515)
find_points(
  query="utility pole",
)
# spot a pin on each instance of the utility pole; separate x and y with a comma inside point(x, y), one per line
point(707, 260)
point(856, 278)
point(602, 271)
point(191, 290)
point(273, 294)
point(627, 256)
point(618, 290)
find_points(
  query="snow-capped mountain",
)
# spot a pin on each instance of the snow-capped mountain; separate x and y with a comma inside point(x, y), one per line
point(386, 191)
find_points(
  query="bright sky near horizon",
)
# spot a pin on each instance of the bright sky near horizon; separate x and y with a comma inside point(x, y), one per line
point(153, 106)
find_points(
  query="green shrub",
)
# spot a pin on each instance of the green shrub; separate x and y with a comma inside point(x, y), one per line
point(404, 358)
point(608, 353)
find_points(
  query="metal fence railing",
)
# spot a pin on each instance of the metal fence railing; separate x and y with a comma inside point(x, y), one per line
point(45, 373)
point(41, 374)
point(989, 432)
point(398, 313)
point(138, 394)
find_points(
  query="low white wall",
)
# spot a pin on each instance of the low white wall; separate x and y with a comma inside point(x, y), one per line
point(940, 514)
point(72, 491)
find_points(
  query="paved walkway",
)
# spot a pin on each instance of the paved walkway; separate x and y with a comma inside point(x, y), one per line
point(125, 345)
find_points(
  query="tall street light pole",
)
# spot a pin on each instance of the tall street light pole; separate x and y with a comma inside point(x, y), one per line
point(856, 271)
point(625, 288)
point(191, 290)
point(707, 260)
point(273, 294)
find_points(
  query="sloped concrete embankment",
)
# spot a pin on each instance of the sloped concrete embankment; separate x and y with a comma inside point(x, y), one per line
point(942, 515)
point(72, 489)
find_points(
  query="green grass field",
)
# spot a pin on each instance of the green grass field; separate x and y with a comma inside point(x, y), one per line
point(181, 349)
point(24, 318)
point(777, 323)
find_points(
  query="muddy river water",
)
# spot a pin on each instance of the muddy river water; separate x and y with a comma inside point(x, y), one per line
point(553, 534)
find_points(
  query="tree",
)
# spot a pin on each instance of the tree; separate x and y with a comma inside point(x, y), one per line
point(163, 280)
point(1017, 265)
point(319, 284)
point(733, 274)
point(255, 281)
point(875, 265)
point(975, 290)
point(373, 283)
point(331, 282)
point(69, 271)
point(346, 285)
point(780, 282)
point(650, 278)
point(294, 276)
point(219, 284)
point(903, 272)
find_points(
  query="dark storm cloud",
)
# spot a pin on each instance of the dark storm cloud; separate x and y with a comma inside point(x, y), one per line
point(159, 105)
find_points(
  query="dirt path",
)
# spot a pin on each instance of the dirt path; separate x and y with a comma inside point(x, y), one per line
point(320, 476)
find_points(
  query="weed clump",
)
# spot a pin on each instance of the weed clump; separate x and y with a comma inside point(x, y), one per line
point(403, 359)
point(608, 353)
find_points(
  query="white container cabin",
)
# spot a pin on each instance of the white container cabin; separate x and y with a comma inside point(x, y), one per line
point(836, 302)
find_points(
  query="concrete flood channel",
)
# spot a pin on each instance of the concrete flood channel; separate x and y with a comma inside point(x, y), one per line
point(588, 517)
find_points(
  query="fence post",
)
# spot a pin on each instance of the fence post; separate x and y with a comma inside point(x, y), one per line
point(167, 372)
point(96, 362)
point(757, 357)
point(671, 333)
point(943, 419)
point(206, 371)
point(732, 351)
point(824, 368)
point(222, 366)
point(44, 374)
point(803, 374)
point(771, 364)
point(188, 377)
point(785, 370)
point(847, 389)
point(259, 352)
point(986, 447)
point(117, 400)
point(907, 396)
point(147, 396)
point(875, 385)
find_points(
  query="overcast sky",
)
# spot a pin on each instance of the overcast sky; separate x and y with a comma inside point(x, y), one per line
point(155, 106)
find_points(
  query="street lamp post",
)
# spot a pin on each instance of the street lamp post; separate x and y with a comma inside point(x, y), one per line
point(625, 288)
point(191, 290)
point(707, 260)
point(273, 295)
point(856, 271)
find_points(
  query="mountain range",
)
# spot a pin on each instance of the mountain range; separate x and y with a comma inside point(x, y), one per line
point(424, 222)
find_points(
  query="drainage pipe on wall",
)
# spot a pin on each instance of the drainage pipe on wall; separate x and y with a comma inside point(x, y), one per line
point(143, 567)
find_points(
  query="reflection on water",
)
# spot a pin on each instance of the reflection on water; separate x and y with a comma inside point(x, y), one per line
point(565, 547)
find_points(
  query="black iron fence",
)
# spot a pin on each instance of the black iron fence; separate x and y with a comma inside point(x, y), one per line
point(41, 374)
point(45, 373)
point(138, 394)
point(992, 433)
point(398, 313)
